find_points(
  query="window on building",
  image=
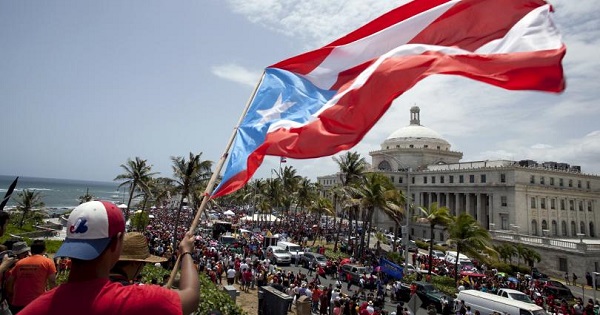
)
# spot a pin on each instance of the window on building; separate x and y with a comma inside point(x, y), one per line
point(425, 146)
point(424, 179)
point(503, 201)
point(554, 228)
point(543, 203)
point(534, 227)
point(471, 178)
point(578, 184)
point(552, 203)
point(587, 185)
point(433, 179)
point(592, 231)
point(483, 178)
point(562, 204)
point(532, 179)
point(503, 178)
point(580, 205)
point(438, 147)
point(562, 264)
point(451, 179)
point(441, 179)
point(581, 227)
point(573, 228)
point(542, 180)
point(461, 178)
point(551, 181)
point(533, 203)
point(392, 179)
point(411, 146)
point(563, 227)
point(504, 221)
point(561, 182)
point(589, 206)
point(413, 180)
point(400, 180)
point(570, 183)
point(571, 205)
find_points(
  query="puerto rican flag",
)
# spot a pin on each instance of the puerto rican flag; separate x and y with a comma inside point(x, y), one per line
point(324, 101)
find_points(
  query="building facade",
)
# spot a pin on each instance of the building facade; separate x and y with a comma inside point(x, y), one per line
point(547, 199)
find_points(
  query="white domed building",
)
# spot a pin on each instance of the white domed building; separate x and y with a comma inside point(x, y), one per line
point(551, 206)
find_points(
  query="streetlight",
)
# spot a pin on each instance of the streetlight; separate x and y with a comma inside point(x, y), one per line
point(545, 233)
point(580, 235)
point(594, 284)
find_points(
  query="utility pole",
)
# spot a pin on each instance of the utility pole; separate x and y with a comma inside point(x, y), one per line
point(407, 203)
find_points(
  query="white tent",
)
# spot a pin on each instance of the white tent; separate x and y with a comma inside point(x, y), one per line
point(122, 206)
point(229, 213)
point(260, 217)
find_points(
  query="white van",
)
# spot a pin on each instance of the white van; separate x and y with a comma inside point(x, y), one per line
point(486, 303)
point(295, 250)
point(451, 258)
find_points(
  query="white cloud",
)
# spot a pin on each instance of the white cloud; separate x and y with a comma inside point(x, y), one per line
point(237, 73)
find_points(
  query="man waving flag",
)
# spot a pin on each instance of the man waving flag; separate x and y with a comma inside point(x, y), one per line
point(324, 101)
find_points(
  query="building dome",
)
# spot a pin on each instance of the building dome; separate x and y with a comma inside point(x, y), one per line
point(415, 131)
point(415, 135)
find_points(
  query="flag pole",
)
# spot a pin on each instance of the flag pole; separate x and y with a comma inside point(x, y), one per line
point(213, 178)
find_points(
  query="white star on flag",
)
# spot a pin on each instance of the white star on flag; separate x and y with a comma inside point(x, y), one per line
point(274, 112)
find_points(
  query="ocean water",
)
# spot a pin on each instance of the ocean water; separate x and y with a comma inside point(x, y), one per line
point(62, 194)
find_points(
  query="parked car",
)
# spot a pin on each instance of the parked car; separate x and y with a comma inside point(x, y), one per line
point(308, 257)
point(486, 303)
point(514, 295)
point(278, 255)
point(427, 293)
point(556, 288)
point(355, 271)
point(438, 254)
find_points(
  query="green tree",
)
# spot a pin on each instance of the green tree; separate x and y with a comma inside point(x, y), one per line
point(320, 206)
point(27, 201)
point(138, 174)
point(396, 214)
point(188, 175)
point(352, 167)
point(376, 191)
point(530, 256)
point(469, 236)
point(434, 215)
point(87, 197)
point(506, 252)
point(289, 184)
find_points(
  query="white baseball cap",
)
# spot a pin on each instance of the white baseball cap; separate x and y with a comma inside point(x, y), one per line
point(90, 228)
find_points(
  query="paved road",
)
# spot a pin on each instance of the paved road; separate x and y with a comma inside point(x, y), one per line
point(389, 306)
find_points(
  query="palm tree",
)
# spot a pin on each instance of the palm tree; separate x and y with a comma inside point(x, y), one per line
point(396, 214)
point(188, 175)
point(320, 206)
point(469, 236)
point(289, 183)
point(137, 175)
point(28, 200)
point(520, 252)
point(87, 197)
point(434, 215)
point(506, 252)
point(530, 256)
point(377, 191)
point(352, 169)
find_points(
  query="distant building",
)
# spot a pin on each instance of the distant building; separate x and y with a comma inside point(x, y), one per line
point(523, 197)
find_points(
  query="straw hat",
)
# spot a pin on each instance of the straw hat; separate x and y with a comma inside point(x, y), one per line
point(135, 248)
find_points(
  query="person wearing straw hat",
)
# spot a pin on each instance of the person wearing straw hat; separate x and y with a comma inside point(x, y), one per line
point(134, 256)
point(94, 242)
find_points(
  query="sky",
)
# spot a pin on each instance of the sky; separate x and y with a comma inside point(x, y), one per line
point(85, 85)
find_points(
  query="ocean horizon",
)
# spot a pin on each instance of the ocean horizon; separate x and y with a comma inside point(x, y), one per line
point(62, 194)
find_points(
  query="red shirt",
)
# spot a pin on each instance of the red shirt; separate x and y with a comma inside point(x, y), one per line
point(100, 297)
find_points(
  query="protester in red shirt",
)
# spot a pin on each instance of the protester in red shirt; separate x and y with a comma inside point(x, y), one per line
point(95, 232)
